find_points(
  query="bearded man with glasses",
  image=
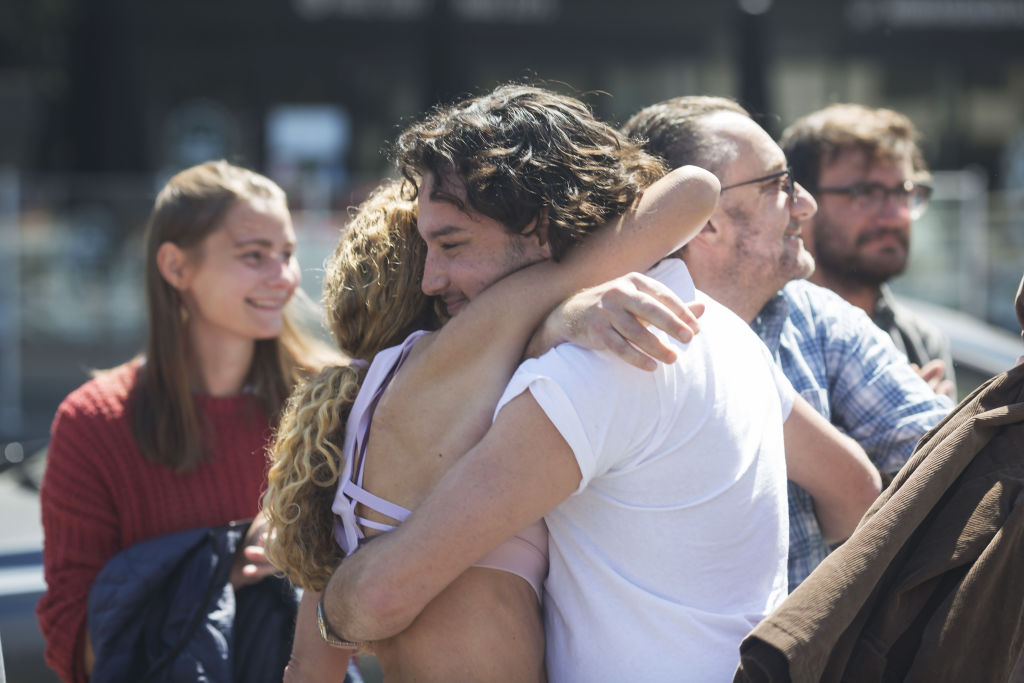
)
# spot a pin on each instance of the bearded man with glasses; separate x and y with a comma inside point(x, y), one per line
point(750, 256)
point(865, 168)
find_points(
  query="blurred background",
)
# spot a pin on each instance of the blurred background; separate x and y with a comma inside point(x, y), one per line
point(101, 101)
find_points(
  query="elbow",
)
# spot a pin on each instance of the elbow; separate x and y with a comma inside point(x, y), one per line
point(703, 189)
point(385, 609)
point(860, 495)
point(866, 491)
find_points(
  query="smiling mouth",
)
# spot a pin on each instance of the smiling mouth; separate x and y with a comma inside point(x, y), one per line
point(454, 304)
point(267, 304)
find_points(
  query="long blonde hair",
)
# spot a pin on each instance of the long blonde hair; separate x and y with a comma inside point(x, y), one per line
point(165, 424)
point(373, 300)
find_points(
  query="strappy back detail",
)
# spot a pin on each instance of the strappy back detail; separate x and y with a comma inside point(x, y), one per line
point(525, 555)
point(348, 526)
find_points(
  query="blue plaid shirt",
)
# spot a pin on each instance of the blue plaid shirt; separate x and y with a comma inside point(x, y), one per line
point(850, 372)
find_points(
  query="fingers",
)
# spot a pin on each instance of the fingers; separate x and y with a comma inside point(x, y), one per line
point(934, 372)
point(257, 532)
point(652, 311)
point(252, 565)
point(933, 369)
point(689, 314)
point(618, 345)
point(630, 338)
point(946, 388)
point(257, 572)
point(655, 304)
point(617, 315)
point(255, 553)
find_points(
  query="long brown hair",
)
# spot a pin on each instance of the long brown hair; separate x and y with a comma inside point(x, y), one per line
point(373, 300)
point(165, 424)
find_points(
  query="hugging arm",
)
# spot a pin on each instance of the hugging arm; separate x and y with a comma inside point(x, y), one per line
point(494, 328)
point(494, 491)
point(832, 468)
point(520, 471)
point(612, 316)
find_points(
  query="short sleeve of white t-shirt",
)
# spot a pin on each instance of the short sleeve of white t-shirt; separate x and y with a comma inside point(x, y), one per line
point(603, 426)
point(609, 411)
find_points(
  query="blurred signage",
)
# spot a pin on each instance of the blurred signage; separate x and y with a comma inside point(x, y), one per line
point(408, 10)
point(939, 14)
point(306, 145)
point(506, 10)
point(362, 9)
point(199, 130)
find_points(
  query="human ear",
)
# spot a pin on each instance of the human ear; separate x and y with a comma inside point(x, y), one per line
point(171, 261)
point(538, 227)
point(711, 232)
point(704, 243)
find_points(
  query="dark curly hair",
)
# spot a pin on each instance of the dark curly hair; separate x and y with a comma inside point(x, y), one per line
point(521, 150)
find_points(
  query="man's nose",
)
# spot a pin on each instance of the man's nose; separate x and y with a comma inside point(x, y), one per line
point(435, 276)
point(803, 205)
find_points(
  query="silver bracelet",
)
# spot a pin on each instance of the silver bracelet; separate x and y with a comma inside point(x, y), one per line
point(327, 634)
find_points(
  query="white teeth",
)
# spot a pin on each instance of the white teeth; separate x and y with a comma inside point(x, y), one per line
point(266, 304)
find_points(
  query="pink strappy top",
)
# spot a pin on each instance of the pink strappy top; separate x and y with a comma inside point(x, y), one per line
point(525, 554)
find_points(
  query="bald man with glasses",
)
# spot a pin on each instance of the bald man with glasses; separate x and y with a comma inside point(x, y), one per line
point(866, 170)
point(750, 256)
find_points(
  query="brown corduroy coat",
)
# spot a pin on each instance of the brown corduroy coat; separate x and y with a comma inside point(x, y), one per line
point(931, 585)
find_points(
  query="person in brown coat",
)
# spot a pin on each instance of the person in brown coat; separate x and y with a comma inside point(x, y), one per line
point(930, 587)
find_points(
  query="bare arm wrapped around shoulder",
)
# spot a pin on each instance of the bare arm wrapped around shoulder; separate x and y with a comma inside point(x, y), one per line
point(495, 329)
point(614, 316)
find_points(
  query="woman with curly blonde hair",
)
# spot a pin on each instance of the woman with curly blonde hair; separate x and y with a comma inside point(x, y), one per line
point(372, 301)
point(351, 461)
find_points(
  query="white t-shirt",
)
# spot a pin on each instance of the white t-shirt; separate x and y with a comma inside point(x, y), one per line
point(674, 546)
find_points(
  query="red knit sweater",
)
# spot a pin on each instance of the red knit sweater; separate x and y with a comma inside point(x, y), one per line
point(99, 496)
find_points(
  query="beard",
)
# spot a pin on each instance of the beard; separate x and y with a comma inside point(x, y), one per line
point(851, 264)
point(756, 267)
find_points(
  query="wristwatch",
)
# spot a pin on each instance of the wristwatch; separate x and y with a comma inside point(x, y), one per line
point(327, 634)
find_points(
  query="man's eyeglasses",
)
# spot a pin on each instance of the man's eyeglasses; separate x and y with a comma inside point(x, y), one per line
point(787, 183)
point(871, 197)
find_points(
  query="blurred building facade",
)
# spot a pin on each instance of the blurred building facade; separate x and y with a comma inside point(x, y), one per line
point(121, 86)
point(101, 101)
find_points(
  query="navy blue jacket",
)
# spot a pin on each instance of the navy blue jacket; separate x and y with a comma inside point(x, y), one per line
point(163, 610)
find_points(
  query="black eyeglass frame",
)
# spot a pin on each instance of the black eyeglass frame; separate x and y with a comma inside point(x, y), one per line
point(903, 190)
point(788, 172)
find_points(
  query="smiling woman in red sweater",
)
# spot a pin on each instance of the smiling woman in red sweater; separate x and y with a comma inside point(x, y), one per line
point(176, 438)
